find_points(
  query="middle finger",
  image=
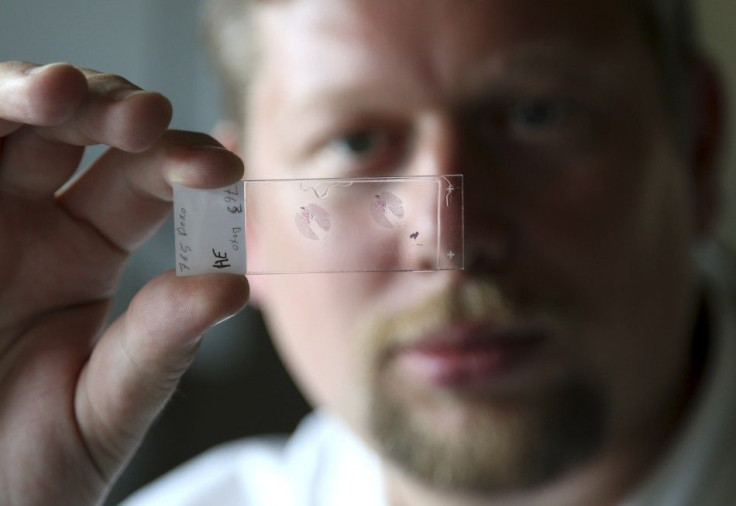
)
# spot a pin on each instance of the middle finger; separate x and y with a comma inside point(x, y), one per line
point(125, 196)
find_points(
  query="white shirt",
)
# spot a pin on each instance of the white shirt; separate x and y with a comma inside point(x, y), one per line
point(323, 464)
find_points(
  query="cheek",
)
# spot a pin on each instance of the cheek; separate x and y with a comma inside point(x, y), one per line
point(619, 241)
point(312, 319)
point(610, 219)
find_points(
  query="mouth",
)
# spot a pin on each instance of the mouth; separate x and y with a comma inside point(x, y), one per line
point(469, 356)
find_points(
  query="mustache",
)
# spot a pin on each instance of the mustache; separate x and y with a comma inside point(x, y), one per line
point(470, 301)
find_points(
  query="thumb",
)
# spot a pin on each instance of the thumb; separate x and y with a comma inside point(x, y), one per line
point(139, 360)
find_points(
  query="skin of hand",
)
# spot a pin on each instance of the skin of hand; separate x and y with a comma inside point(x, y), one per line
point(76, 399)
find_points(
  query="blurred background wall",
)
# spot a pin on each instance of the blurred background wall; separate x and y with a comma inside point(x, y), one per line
point(237, 386)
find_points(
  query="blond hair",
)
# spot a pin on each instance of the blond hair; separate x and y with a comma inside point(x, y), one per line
point(229, 30)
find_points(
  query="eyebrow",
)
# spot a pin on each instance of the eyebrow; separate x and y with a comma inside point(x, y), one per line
point(502, 72)
point(561, 61)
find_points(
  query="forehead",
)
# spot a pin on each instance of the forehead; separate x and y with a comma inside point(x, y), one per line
point(442, 43)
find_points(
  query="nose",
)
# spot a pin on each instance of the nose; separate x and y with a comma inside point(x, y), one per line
point(441, 149)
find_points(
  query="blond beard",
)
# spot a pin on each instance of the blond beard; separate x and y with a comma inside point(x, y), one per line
point(492, 444)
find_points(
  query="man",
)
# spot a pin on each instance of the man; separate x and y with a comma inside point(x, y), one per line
point(579, 359)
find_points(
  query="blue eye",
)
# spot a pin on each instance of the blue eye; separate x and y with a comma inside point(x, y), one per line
point(534, 123)
point(361, 142)
point(362, 150)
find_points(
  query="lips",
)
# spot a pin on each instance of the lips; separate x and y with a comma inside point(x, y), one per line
point(469, 356)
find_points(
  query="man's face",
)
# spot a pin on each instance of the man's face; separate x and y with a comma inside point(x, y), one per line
point(565, 337)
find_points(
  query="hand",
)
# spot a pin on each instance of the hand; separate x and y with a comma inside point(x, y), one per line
point(75, 401)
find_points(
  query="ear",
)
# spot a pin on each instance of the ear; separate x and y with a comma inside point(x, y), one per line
point(228, 133)
point(709, 117)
